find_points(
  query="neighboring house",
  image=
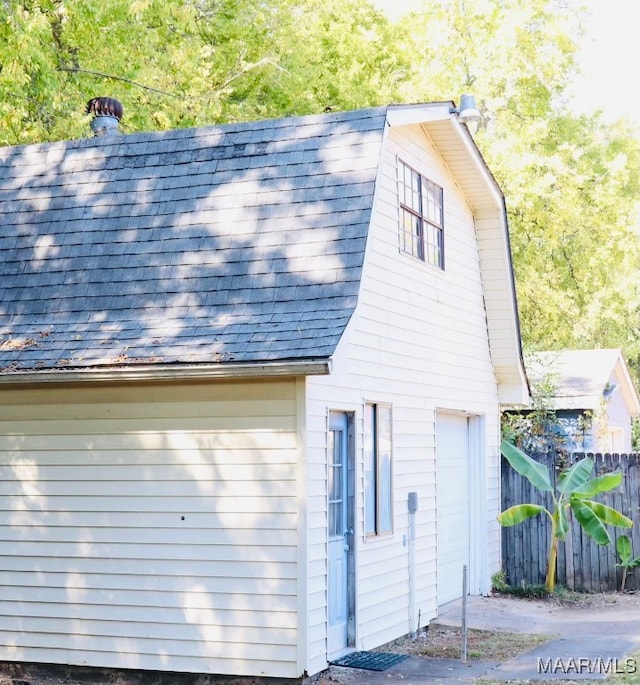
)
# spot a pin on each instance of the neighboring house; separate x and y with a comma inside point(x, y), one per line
point(592, 394)
point(250, 387)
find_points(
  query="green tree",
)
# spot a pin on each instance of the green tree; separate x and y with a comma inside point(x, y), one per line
point(176, 63)
point(55, 55)
point(575, 238)
point(628, 562)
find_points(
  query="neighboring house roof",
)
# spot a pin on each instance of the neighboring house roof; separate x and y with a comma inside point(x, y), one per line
point(223, 246)
point(581, 378)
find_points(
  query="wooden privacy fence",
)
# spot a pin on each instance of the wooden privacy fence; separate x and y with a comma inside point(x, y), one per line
point(582, 564)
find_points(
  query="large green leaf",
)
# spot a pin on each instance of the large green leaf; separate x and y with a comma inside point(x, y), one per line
point(590, 523)
point(535, 472)
point(624, 549)
point(608, 516)
point(595, 486)
point(625, 552)
point(575, 476)
point(519, 513)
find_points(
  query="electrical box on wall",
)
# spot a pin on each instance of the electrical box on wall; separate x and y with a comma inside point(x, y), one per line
point(413, 502)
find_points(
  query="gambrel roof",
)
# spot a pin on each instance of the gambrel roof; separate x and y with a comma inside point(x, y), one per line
point(239, 243)
point(225, 247)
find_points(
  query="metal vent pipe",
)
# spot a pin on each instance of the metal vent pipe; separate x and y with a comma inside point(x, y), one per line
point(107, 112)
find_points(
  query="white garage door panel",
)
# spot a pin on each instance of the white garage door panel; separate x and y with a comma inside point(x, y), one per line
point(452, 492)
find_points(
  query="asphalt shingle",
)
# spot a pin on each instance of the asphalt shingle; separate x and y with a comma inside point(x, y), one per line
point(238, 243)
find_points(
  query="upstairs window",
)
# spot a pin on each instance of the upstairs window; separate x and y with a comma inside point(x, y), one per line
point(421, 216)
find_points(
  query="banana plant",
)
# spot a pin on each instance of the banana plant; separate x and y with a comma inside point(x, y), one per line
point(627, 561)
point(574, 491)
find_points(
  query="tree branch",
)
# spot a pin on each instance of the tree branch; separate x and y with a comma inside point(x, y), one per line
point(78, 70)
point(244, 70)
point(247, 68)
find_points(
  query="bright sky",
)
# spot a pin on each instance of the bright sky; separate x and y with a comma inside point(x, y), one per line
point(608, 58)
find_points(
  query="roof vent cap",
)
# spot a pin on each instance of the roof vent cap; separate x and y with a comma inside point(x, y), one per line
point(107, 112)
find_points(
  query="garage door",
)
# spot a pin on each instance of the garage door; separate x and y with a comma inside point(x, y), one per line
point(452, 502)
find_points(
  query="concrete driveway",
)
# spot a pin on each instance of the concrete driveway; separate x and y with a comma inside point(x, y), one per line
point(591, 640)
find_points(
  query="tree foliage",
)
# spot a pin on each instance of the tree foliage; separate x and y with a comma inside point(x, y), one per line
point(575, 237)
point(571, 182)
point(177, 63)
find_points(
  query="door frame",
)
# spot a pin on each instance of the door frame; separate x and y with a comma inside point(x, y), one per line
point(350, 417)
point(476, 427)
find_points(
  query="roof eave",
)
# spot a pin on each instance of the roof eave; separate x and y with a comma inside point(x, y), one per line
point(514, 395)
point(171, 372)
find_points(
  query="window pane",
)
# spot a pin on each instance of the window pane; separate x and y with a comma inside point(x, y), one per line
point(332, 519)
point(377, 469)
point(407, 231)
point(384, 470)
point(331, 486)
point(369, 471)
point(432, 202)
point(403, 184)
point(433, 239)
point(412, 240)
point(336, 484)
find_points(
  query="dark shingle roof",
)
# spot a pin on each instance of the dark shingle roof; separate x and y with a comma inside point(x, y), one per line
point(235, 243)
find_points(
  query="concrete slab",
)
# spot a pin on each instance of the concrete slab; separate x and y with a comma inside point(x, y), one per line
point(588, 642)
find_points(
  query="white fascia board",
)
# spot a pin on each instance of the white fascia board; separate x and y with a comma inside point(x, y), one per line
point(168, 372)
point(575, 402)
point(407, 115)
point(514, 396)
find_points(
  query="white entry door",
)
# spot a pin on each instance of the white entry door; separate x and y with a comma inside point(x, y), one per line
point(340, 536)
point(452, 504)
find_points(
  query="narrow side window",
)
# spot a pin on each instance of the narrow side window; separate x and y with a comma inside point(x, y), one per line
point(378, 469)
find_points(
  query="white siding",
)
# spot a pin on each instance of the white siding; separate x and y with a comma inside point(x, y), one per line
point(419, 341)
point(152, 527)
point(616, 419)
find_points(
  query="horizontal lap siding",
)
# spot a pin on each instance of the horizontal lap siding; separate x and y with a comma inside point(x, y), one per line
point(419, 341)
point(424, 331)
point(151, 527)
